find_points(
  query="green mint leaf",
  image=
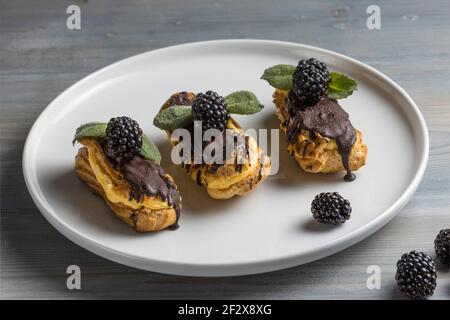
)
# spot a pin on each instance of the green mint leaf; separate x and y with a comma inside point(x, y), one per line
point(341, 86)
point(243, 102)
point(173, 117)
point(96, 130)
point(279, 76)
point(149, 150)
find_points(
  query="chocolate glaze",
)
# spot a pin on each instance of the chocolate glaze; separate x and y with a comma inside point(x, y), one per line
point(148, 178)
point(198, 178)
point(260, 172)
point(183, 98)
point(349, 177)
point(327, 118)
point(240, 145)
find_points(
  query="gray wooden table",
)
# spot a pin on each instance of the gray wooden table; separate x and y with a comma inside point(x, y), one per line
point(40, 57)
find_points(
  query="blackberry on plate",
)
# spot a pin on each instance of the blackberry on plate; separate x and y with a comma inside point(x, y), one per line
point(416, 275)
point(442, 246)
point(310, 80)
point(330, 208)
point(123, 139)
point(211, 109)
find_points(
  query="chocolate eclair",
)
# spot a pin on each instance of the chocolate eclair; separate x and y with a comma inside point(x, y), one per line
point(121, 165)
point(244, 165)
point(318, 130)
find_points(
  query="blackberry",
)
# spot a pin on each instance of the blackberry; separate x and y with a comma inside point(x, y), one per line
point(211, 109)
point(123, 139)
point(311, 79)
point(442, 246)
point(416, 275)
point(330, 208)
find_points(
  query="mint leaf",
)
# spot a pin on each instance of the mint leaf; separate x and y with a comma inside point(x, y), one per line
point(173, 117)
point(96, 130)
point(243, 102)
point(279, 76)
point(341, 86)
point(149, 150)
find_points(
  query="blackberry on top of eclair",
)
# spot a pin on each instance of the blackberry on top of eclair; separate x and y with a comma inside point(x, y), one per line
point(242, 166)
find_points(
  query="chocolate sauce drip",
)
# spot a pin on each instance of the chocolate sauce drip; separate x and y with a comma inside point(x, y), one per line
point(198, 178)
point(349, 177)
point(260, 172)
point(241, 145)
point(148, 178)
point(327, 118)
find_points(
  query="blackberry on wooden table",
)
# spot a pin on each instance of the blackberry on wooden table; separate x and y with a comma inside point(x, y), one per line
point(416, 275)
point(442, 246)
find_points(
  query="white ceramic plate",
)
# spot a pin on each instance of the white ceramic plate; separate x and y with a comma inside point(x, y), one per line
point(270, 229)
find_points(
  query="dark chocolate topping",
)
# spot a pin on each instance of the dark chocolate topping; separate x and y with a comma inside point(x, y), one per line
point(326, 118)
point(237, 149)
point(183, 98)
point(148, 178)
point(240, 146)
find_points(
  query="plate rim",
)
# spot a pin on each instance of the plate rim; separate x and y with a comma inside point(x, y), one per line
point(228, 269)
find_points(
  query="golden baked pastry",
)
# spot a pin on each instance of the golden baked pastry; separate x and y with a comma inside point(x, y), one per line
point(126, 189)
point(229, 179)
point(314, 152)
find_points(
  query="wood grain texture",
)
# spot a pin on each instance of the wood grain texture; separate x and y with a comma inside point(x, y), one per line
point(39, 58)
